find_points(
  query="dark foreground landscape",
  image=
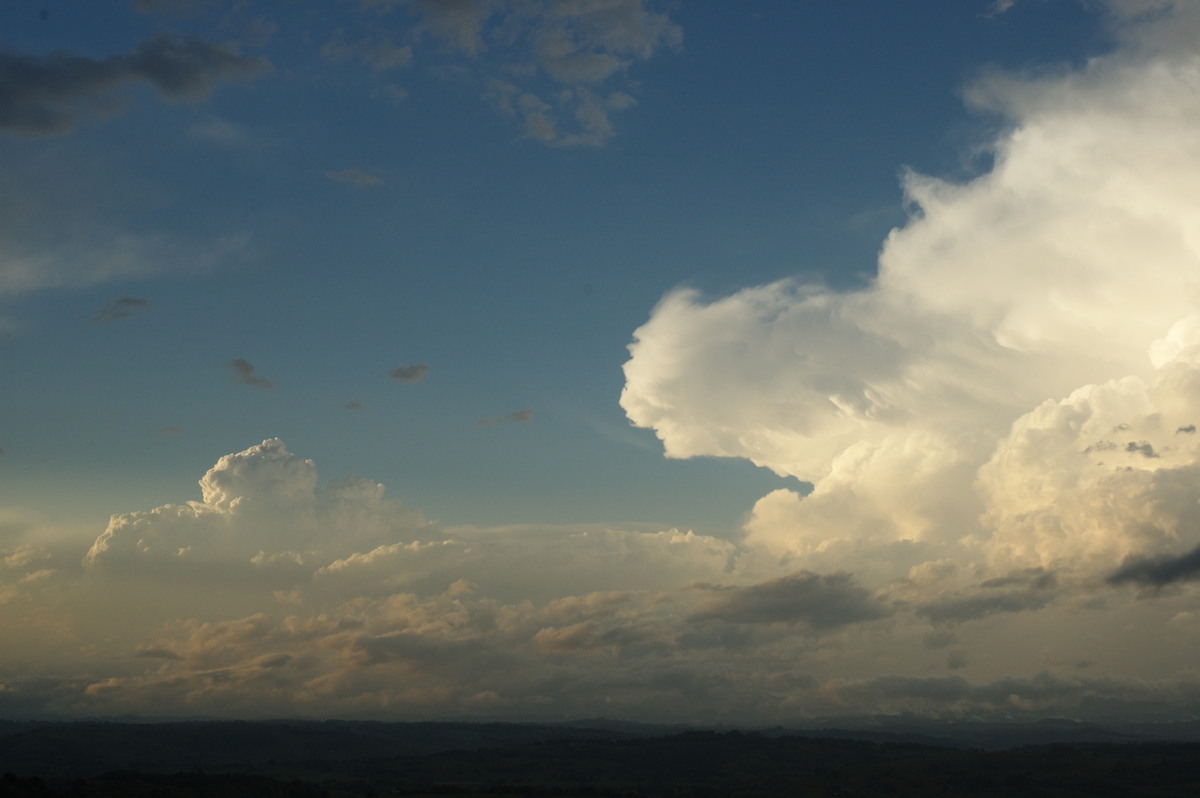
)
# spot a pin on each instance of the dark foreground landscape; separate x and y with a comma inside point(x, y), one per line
point(340, 759)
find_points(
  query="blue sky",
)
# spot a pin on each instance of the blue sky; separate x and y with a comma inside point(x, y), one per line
point(764, 143)
point(500, 257)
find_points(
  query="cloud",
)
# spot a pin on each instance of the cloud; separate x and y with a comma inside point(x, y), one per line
point(999, 7)
point(171, 431)
point(517, 417)
point(409, 373)
point(355, 177)
point(1025, 591)
point(1029, 696)
point(48, 95)
point(87, 254)
point(243, 374)
point(260, 511)
point(121, 308)
point(271, 593)
point(811, 600)
point(1158, 571)
point(1006, 391)
point(559, 69)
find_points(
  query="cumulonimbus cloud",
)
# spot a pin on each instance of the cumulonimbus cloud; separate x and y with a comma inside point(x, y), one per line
point(1009, 389)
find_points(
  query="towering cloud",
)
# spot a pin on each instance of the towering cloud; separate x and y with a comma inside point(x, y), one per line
point(1009, 389)
point(259, 509)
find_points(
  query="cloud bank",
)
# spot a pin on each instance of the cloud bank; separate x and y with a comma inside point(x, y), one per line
point(275, 595)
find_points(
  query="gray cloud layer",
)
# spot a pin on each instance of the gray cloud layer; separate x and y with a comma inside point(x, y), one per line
point(45, 95)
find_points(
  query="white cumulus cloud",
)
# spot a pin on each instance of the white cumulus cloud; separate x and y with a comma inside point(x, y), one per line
point(1007, 390)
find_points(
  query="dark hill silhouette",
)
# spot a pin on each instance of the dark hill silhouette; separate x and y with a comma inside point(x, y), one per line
point(341, 759)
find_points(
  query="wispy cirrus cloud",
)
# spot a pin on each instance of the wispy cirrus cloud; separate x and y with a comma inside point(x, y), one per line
point(517, 417)
point(123, 307)
point(355, 177)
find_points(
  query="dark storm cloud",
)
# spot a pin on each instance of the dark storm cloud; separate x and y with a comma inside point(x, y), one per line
point(1188, 430)
point(243, 373)
point(1158, 571)
point(45, 95)
point(520, 416)
point(815, 600)
point(971, 608)
point(1020, 591)
point(409, 373)
point(121, 308)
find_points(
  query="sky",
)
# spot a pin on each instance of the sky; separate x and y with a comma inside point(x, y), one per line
point(548, 359)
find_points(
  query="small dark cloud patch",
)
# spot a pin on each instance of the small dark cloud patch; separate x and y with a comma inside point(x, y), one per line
point(409, 373)
point(120, 308)
point(243, 374)
point(1100, 446)
point(354, 406)
point(1141, 447)
point(171, 431)
point(814, 601)
point(1158, 571)
point(1188, 430)
point(47, 95)
point(519, 417)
